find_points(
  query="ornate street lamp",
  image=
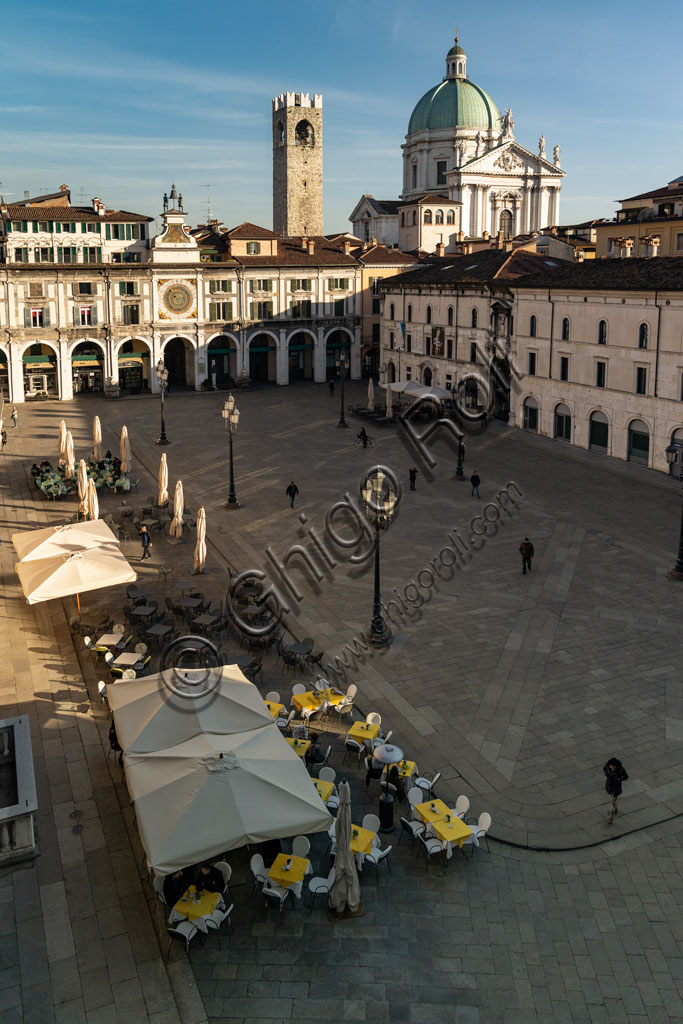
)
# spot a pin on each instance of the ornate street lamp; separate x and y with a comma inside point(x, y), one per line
point(162, 377)
point(674, 452)
point(379, 500)
point(459, 472)
point(342, 363)
point(231, 415)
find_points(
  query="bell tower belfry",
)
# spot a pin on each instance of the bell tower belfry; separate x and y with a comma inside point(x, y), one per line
point(298, 164)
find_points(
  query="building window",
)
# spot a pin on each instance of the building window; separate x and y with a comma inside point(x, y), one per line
point(564, 367)
point(85, 316)
point(339, 307)
point(301, 309)
point(409, 314)
point(602, 332)
point(409, 372)
point(260, 285)
point(409, 343)
point(441, 166)
point(429, 314)
point(338, 284)
point(427, 217)
point(221, 285)
point(450, 217)
point(679, 242)
point(129, 288)
point(391, 312)
point(414, 216)
point(375, 334)
point(438, 218)
point(428, 346)
point(391, 339)
point(223, 310)
point(449, 348)
point(403, 219)
point(131, 314)
point(37, 318)
point(21, 255)
point(600, 372)
point(253, 248)
point(91, 254)
point(532, 326)
point(259, 310)
point(641, 380)
point(565, 328)
point(450, 316)
point(374, 285)
point(473, 351)
point(35, 290)
point(475, 317)
point(505, 224)
point(414, 175)
point(643, 335)
point(375, 307)
point(532, 364)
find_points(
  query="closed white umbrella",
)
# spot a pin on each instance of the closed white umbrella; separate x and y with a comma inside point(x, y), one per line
point(96, 439)
point(200, 546)
point(52, 541)
point(82, 487)
point(163, 482)
point(45, 579)
point(345, 891)
point(176, 529)
point(371, 395)
point(93, 503)
point(390, 402)
point(62, 442)
point(125, 451)
point(70, 458)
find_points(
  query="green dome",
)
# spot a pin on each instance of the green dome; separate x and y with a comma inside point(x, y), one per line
point(454, 103)
point(456, 51)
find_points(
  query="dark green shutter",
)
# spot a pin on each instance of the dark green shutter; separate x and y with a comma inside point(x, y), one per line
point(93, 315)
point(27, 317)
point(35, 226)
point(60, 254)
point(25, 254)
point(52, 254)
point(99, 228)
point(51, 226)
point(46, 317)
point(84, 229)
point(24, 225)
point(77, 316)
point(212, 287)
point(73, 227)
point(58, 227)
point(73, 253)
point(143, 232)
point(128, 232)
point(99, 253)
point(122, 287)
point(107, 231)
point(213, 314)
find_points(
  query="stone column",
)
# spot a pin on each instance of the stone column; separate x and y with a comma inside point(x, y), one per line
point(65, 385)
point(282, 359)
point(319, 357)
point(355, 370)
point(15, 373)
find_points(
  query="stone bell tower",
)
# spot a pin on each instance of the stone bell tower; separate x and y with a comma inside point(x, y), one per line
point(298, 164)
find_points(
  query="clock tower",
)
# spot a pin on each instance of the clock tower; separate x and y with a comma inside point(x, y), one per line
point(174, 243)
point(298, 164)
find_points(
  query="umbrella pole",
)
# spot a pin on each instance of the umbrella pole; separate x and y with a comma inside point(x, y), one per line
point(78, 604)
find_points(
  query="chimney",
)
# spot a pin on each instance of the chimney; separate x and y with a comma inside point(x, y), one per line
point(486, 236)
point(466, 248)
point(63, 188)
point(373, 241)
point(440, 249)
point(461, 236)
point(98, 207)
point(304, 243)
point(27, 194)
point(347, 248)
point(311, 246)
point(580, 255)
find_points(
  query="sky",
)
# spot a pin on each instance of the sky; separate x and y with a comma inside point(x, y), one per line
point(119, 100)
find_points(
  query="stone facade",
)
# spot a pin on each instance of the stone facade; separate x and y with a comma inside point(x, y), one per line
point(297, 164)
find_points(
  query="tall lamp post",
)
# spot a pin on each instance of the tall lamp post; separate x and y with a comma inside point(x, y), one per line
point(379, 500)
point(162, 377)
point(342, 363)
point(674, 453)
point(231, 415)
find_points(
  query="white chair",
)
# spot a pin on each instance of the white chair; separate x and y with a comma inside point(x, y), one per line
point(344, 707)
point(296, 690)
point(158, 884)
point(327, 774)
point(354, 746)
point(308, 713)
point(214, 920)
point(415, 796)
point(274, 894)
point(226, 872)
point(351, 692)
point(380, 740)
point(109, 659)
point(273, 697)
point(141, 648)
point(102, 690)
point(480, 830)
point(301, 846)
point(88, 644)
point(432, 846)
point(370, 822)
point(427, 782)
point(462, 806)
point(284, 723)
point(374, 718)
point(129, 673)
point(411, 828)
point(376, 856)
point(258, 870)
point(300, 732)
point(185, 931)
point(118, 628)
point(321, 886)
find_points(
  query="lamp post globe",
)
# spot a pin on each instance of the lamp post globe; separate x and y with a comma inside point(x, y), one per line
point(162, 377)
point(674, 454)
point(231, 417)
point(380, 494)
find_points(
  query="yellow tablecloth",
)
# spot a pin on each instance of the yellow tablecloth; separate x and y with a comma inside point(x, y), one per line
point(193, 909)
point(286, 878)
point(274, 708)
point(363, 731)
point(324, 788)
point(314, 698)
point(453, 831)
point(300, 746)
point(405, 768)
point(427, 814)
point(362, 841)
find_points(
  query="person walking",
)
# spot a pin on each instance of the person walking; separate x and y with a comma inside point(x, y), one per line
point(146, 542)
point(363, 436)
point(615, 774)
point(291, 493)
point(412, 473)
point(526, 550)
point(331, 387)
point(3, 438)
point(475, 481)
point(14, 416)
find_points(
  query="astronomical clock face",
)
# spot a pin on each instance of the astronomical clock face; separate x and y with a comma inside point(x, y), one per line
point(177, 300)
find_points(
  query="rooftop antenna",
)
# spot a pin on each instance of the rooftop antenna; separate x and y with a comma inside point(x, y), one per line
point(208, 201)
point(81, 197)
point(3, 194)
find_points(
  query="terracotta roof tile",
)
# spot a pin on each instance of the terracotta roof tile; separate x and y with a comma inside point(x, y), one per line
point(632, 274)
point(78, 213)
point(247, 230)
point(291, 254)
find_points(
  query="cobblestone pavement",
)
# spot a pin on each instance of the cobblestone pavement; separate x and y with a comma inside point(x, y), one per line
point(516, 687)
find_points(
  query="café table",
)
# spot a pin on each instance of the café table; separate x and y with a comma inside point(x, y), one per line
point(190, 603)
point(274, 708)
point(315, 698)
point(431, 810)
point(205, 620)
point(299, 746)
point(324, 787)
point(159, 629)
point(128, 658)
point(250, 590)
point(299, 649)
point(186, 587)
point(241, 660)
point(363, 731)
point(143, 611)
point(361, 843)
point(252, 610)
point(288, 876)
point(109, 639)
point(451, 829)
point(193, 908)
point(406, 769)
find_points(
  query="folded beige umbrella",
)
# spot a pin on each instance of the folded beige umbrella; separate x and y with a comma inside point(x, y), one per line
point(200, 546)
point(96, 439)
point(345, 891)
point(70, 458)
point(125, 451)
point(53, 541)
point(390, 402)
point(93, 503)
point(47, 578)
point(371, 395)
point(82, 487)
point(162, 480)
point(176, 529)
point(62, 442)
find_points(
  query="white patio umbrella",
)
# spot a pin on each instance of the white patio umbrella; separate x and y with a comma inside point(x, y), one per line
point(82, 487)
point(44, 579)
point(62, 442)
point(93, 503)
point(70, 458)
point(371, 395)
point(177, 705)
point(96, 439)
point(162, 480)
point(390, 402)
point(200, 546)
point(53, 541)
point(215, 793)
point(345, 891)
point(125, 451)
point(176, 529)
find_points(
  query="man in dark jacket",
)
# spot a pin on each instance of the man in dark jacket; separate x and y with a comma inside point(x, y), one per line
point(175, 886)
point(475, 480)
point(210, 879)
point(526, 550)
point(291, 493)
point(615, 774)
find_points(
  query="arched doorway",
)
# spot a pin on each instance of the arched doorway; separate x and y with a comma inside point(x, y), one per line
point(134, 361)
point(638, 441)
point(530, 421)
point(300, 351)
point(391, 373)
point(370, 362)
point(222, 360)
point(563, 422)
point(87, 367)
point(598, 432)
point(677, 439)
point(505, 224)
point(40, 366)
point(337, 341)
point(427, 377)
point(179, 359)
point(471, 393)
point(262, 359)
